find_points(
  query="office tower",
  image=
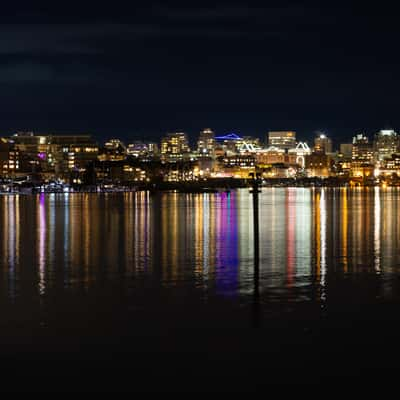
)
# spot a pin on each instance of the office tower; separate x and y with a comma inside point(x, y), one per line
point(206, 142)
point(322, 144)
point(282, 139)
point(174, 146)
point(386, 143)
point(346, 149)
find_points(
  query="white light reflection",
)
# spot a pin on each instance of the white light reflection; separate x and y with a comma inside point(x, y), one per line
point(322, 210)
point(66, 239)
point(303, 232)
point(13, 243)
point(377, 230)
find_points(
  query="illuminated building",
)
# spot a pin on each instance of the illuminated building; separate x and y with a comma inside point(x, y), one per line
point(282, 139)
point(206, 143)
point(180, 171)
point(300, 151)
point(133, 174)
point(386, 143)
point(142, 150)
point(239, 161)
point(271, 155)
point(238, 166)
point(362, 159)
point(121, 172)
point(114, 144)
point(174, 146)
point(388, 167)
point(274, 155)
point(278, 171)
point(342, 165)
point(228, 145)
point(54, 155)
point(113, 150)
point(322, 144)
point(250, 144)
point(343, 159)
point(318, 165)
point(9, 158)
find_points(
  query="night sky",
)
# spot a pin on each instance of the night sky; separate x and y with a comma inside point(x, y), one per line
point(136, 72)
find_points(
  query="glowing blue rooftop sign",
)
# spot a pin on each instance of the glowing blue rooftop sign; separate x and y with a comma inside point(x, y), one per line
point(230, 136)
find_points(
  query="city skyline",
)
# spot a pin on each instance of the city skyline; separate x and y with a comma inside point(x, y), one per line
point(193, 136)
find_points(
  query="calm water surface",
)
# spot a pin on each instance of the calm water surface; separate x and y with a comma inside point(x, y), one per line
point(202, 243)
point(81, 271)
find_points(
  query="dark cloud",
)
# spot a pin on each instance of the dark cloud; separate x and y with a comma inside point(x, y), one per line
point(155, 66)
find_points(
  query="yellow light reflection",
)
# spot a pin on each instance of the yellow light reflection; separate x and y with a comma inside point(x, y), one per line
point(345, 224)
point(323, 244)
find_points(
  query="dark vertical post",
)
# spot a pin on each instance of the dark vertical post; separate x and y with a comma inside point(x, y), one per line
point(256, 233)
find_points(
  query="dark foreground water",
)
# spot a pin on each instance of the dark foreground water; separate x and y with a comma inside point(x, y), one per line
point(157, 292)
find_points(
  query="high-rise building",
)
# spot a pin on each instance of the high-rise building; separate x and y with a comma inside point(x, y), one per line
point(386, 143)
point(54, 154)
point(206, 142)
point(322, 144)
point(174, 146)
point(362, 158)
point(346, 149)
point(9, 158)
point(282, 139)
point(362, 150)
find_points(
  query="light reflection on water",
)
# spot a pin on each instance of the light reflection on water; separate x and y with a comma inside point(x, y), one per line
point(312, 241)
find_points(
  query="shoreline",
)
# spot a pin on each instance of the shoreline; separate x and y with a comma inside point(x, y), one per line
point(203, 190)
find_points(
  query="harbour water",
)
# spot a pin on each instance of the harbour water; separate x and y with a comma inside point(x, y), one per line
point(131, 289)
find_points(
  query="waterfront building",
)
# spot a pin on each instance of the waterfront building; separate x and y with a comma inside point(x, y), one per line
point(120, 172)
point(274, 155)
point(300, 151)
point(362, 159)
point(9, 159)
point(279, 171)
point(388, 167)
point(342, 165)
point(318, 165)
point(175, 146)
point(240, 160)
point(282, 139)
point(237, 166)
point(386, 143)
point(54, 155)
point(322, 144)
point(180, 171)
point(206, 143)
